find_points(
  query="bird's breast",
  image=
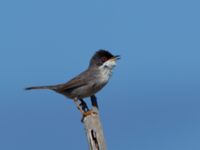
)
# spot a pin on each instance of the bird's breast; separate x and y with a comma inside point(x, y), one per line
point(105, 75)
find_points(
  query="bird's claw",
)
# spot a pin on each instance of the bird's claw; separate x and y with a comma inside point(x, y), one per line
point(90, 112)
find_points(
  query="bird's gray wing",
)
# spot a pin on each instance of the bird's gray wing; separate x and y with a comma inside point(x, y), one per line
point(80, 80)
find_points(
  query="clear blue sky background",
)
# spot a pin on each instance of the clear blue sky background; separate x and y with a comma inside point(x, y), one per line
point(153, 99)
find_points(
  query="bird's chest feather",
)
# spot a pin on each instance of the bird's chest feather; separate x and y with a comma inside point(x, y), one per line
point(101, 80)
point(105, 75)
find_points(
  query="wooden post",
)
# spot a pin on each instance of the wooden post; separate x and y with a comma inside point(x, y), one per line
point(93, 128)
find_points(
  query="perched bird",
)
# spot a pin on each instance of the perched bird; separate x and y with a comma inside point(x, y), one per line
point(90, 81)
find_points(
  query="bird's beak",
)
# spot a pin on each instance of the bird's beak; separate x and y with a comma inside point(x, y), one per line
point(117, 57)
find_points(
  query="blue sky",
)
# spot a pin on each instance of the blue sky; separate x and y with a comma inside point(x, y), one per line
point(152, 101)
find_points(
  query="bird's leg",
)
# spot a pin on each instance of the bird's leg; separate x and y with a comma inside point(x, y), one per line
point(84, 105)
point(78, 105)
point(94, 101)
point(83, 108)
point(94, 110)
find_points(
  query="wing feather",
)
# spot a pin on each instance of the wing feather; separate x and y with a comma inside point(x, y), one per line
point(80, 80)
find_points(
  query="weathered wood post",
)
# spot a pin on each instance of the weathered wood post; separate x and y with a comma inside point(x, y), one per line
point(93, 128)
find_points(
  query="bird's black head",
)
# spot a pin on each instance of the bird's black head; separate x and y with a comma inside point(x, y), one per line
point(100, 57)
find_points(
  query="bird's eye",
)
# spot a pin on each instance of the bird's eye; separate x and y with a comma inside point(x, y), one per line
point(103, 59)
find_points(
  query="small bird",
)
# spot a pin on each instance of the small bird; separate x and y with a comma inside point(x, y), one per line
point(89, 82)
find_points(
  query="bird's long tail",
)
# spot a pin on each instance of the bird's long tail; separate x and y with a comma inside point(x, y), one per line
point(50, 87)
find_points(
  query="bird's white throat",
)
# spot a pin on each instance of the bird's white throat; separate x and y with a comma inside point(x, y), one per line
point(106, 70)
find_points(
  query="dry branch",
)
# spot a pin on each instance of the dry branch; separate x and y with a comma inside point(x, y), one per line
point(93, 127)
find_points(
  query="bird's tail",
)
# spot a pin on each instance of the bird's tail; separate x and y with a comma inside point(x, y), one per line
point(50, 87)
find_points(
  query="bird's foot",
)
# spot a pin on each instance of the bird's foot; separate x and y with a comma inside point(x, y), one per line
point(89, 112)
point(83, 105)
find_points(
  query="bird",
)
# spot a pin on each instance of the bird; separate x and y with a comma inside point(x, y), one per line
point(87, 83)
